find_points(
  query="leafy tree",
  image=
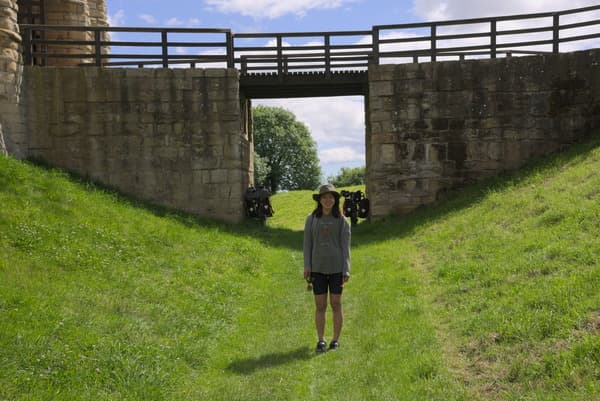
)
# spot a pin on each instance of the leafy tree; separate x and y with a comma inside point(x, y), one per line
point(260, 170)
point(348, 177)
point(287, 148)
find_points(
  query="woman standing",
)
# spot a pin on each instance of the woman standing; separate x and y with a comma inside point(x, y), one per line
point(327, 260)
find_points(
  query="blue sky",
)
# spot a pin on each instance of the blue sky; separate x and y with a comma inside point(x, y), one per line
point(336, 124)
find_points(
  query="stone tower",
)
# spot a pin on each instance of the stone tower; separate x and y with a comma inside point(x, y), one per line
point(10, 68)
point(57, 12)
point(74, 12)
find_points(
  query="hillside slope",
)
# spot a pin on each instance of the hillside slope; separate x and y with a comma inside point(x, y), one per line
point(517, 272)
point(492, 295)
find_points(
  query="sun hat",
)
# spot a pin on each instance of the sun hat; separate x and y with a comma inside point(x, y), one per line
point(326, 188)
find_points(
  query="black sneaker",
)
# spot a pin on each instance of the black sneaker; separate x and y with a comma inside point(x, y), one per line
point(334, 345)
point(321, 347)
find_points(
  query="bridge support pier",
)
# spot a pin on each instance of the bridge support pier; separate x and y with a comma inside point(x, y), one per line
point(173, 137)
point(433, 127)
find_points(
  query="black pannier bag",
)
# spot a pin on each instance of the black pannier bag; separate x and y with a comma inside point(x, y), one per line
point(347, 207)
point(257, 203)
point(363, 208)
point(355, 205)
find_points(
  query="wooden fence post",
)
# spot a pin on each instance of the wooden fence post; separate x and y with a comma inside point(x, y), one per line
point(433, 42)
point(555, 33)
point(230, 55)
point(98, 47)
point(493, 38)
point(165, 49)
point(375, 45)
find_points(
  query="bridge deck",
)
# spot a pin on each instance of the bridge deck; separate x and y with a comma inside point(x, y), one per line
point(303, 64)
point(305, 84)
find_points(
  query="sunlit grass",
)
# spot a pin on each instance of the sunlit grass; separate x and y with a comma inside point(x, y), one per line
point(491, 295)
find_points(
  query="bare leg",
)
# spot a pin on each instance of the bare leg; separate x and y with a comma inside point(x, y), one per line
point(321, 308)
point(338, 316)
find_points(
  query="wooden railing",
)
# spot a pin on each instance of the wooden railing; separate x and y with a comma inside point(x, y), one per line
point(327, 52)
point(489, 29)
point(31, 12)
point(79, 45)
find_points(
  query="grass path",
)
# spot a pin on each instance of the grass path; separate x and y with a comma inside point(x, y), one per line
point(492, 295)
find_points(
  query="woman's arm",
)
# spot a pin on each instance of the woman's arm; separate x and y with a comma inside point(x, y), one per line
point(308, 246)
point(345, 244)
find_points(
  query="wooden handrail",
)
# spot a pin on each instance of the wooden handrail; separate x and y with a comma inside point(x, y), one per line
point(324, 51)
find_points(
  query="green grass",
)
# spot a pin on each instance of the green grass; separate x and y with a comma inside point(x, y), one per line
point(491, 295)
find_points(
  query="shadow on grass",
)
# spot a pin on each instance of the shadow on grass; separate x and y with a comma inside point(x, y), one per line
point(364, 233)
point(248, 366)
point(249, 228)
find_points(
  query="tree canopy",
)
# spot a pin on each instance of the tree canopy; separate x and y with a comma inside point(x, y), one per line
point(348, 176)
point(286, 150)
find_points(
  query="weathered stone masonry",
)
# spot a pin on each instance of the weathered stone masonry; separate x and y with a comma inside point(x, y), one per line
point(183, 138)
point(436, 126)
point(174, 137)
point(10, 70)
point(177, 138)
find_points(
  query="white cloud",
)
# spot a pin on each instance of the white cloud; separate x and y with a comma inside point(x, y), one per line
point(147, 18)
point(117, 19)
point(272, 8)
point(331, 120)
point(344, 154)
point(174, 21)
point(337, 124)
point(436, 10)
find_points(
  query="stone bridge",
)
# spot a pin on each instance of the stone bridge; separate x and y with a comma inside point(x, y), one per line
point(182, 137)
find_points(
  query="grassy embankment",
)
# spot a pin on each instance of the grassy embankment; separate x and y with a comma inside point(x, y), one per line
point(492, 295)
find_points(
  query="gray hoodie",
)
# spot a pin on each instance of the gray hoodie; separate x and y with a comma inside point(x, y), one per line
point(327, 244)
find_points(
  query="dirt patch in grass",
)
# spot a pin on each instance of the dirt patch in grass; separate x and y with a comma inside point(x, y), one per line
point(592, 325)
point(491, 370)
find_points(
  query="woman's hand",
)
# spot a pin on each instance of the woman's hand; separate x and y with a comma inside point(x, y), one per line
point(307, 274)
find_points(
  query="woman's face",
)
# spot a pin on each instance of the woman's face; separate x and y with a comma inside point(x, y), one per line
point(327, 201)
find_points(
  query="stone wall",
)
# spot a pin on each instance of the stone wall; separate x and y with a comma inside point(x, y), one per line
point(10, 76)
point(174, 137)
point(436, 126)
point(58, 12)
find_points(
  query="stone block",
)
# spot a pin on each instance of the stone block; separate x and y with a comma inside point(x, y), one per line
point(386, 71)
point(436, 152)
point(457, 152)
point(381, 88)
point(495, 150)
point(219, 176)
point(387, 153)
point(377, 116)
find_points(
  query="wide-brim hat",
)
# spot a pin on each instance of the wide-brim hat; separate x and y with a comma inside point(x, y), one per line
point(324, 189)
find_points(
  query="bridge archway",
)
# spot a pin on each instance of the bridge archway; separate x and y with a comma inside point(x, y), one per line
point(336, 124)
point(264, 88)
point(429, 127)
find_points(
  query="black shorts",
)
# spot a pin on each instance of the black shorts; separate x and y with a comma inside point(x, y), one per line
point(324, 282)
